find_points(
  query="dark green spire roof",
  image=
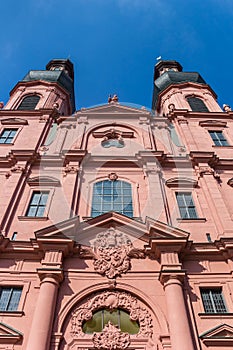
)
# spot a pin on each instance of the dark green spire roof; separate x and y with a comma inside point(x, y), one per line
point(170, 72)
point(56, 75)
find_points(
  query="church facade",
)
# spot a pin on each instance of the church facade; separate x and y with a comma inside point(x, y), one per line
point(116, 220)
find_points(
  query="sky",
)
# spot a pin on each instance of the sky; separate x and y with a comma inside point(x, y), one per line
point(114, 44)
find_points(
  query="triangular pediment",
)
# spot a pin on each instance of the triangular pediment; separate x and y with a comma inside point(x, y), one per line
point(14, 121)
point(219, 335)
point(8, 334)
point(84, 232)
point(114, 108)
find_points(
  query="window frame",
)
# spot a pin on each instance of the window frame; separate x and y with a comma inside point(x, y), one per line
point(38, 204)
point(104, 323)
point(33, 189)
point(222, 133)
point(22, 99)
point(104, 179)
point(25, 285)
point(5, 127)
point(194, 206)
point(198, 98)
point(9, 298)
point(213, 304)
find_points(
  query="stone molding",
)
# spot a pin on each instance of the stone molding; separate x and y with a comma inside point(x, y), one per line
point(111, 338)
point(112, 300)
point(112, 251)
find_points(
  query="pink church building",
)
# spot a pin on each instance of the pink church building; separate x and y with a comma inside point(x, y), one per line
point(116, 220)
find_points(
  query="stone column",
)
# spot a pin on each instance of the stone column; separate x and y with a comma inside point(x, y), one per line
point(41, 328)
point(180, 334)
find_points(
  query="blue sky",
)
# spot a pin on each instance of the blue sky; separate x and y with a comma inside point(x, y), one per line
point(114, 43)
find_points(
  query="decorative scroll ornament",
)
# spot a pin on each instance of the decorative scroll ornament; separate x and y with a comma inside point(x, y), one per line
point(112, 300)
point(111, 338)
point(70, 169)
point(112, 251)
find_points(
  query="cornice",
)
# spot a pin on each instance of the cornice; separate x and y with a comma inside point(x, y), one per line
point(222, 116)
point(18, 155)
point(14, 113)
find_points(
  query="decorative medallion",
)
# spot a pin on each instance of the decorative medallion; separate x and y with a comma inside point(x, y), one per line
point(111, 338)
point(113, 176)
point(112, 251)
point(112, 300)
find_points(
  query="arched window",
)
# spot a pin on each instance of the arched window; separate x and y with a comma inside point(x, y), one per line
point(112, 196)
point(29, 102)
point(196, 104)
point(117, 317)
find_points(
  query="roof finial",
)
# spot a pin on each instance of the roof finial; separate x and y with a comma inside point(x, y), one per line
point(112, 99)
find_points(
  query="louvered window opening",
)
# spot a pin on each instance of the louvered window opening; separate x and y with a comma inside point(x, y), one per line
point(37, 204)
point(186, 205)
point(7, 136)
point(213, 301)
point(29, 102)
point(218, 138)
point(9, 298)
point(112, 196)
point(197, 105)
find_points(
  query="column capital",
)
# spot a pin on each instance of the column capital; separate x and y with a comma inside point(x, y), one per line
point(168, 277)
point(50, 275)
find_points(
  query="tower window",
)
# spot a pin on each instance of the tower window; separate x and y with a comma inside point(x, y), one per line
point(218, 138)
point(213, 301)
point(7, 136)
point(29, 102)
point(118, 317)
point(9, 298)
point(112, 196)
point(186, 205)
point(197, 105)
point(37, 204)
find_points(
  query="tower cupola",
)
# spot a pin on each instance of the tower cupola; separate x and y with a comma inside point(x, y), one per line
point(164, 66)
point(61, 65)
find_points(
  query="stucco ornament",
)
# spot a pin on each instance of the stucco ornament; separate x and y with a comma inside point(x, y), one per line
point(112, 300)
point(112, 253)
point(111, 338)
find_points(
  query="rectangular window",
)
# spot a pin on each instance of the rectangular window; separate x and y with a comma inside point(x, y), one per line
point(213, 301)
point(9, 298)
point(7, 136)
point(186, 205)
point(37, 204)
point(218, 138)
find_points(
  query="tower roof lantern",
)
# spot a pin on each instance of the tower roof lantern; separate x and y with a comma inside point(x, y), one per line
point(164, 66)
point(61, 64)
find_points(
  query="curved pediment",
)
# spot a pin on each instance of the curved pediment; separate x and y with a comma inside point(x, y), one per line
point(14, 121)
point(181, 182)
point(212, 122)
point(43, 181)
